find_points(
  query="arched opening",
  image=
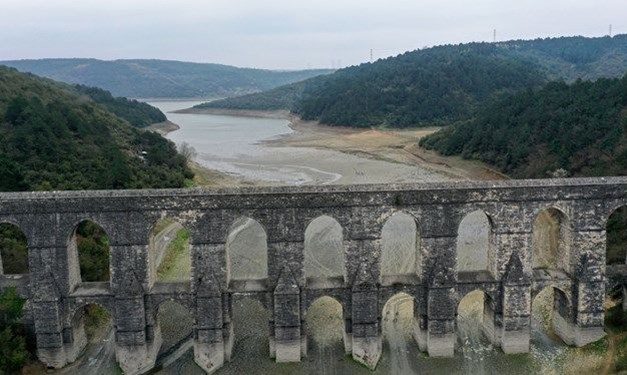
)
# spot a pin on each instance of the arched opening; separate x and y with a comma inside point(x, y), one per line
point(400, 248)
point(616, 257)
point(616, 230)
point(324, 321)
point(91, 324)
point(13, 250)
point(247, 251)
point(551, 241)
point(324, 249)
point(545, 317)
point(398, 323)
point(251, 322)
point(89, 254)
point(474, 242)
point(170, 251)
point(473, 314)
point(176, 325)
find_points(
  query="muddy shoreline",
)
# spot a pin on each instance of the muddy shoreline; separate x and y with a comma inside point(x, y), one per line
point(281, 114)
point(376, 148)
point(391, 145)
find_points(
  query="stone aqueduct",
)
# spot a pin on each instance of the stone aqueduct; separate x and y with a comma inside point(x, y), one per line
point(56, 293)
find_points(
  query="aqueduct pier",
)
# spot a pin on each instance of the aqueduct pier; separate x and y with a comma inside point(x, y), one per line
point(512, 274)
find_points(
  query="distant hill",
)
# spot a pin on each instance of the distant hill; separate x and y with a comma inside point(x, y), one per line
point(439, 85)
point(579, 128)
point(138, 114)
point(161, 78)
point(52, 137)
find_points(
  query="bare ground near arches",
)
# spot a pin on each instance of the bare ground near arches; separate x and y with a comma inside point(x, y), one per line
point(395, 146)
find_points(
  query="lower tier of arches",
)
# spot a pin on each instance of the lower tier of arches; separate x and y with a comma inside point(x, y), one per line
point(505, 320)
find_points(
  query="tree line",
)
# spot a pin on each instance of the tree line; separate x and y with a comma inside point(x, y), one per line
point(438, 85)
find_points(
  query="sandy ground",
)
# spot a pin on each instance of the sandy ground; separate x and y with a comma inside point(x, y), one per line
point(232, 112)
point(396, 146)
point(316, 154)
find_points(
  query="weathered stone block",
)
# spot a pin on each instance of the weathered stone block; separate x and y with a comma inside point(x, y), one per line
point(365, 330)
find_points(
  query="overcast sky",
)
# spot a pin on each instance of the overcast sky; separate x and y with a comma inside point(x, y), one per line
point(286, 34)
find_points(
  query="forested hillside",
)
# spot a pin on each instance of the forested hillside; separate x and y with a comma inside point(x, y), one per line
point(51, 138)
point(138, 114)
point(579, 128)
point(280, 98)
point(161, 78)
point(441, 84)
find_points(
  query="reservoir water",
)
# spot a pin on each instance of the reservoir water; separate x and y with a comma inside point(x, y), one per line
point(234, 145)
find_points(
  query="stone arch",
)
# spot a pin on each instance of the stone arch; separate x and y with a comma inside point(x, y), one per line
point(94, 264)
point(13, 249)
point(474, 247)
point(169, 250)
point(616, 231)
point(616, 252)
point(325, 255)
point(325, 322)
point(398, 316)
point(247, 250)
point(474, 306)
point(400, 248)
point(86, 319)
point(551, 240)
point(175, 323)
point(551, 309)
point(77, 308)
point(250, 321)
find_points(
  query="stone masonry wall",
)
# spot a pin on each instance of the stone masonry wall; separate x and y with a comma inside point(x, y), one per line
point(56, 292)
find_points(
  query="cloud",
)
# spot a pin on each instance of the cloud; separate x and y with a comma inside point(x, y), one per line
point(282, 34)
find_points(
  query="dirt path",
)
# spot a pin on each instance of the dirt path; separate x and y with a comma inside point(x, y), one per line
point(162, 239)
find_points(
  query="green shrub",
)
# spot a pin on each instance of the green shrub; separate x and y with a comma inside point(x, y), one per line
point(13, 353)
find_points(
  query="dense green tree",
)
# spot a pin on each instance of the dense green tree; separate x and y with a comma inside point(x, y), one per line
point(93, 251)
point(51, 139)
point(438, 85)
point(579, 129)
point(13, 249)
point(138, 114)
point(13, 353)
